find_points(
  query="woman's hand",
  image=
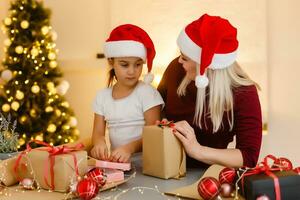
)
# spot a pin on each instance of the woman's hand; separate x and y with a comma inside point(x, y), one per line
point(121, 154)
point(185, 133)
point(100, 151)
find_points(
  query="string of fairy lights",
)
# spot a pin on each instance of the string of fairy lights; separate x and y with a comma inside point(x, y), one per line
point(70, 195)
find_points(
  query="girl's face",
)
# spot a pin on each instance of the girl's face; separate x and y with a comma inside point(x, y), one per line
point(127, 69)
point(189, 66)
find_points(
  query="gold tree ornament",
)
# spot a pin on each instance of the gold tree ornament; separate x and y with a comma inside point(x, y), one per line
point(7, 21)
point(21, 141)
point(34, 52)
point(23, 119)
point(19, 49)
point(51, 87)
point(51, 128)
point(40, 137)
point(19, 95)
point(5, 107)
point(65, 104)
point(32, 113)
point(49, 109)
point(15, 105)
point(24, 24)
point(45, 30)
point(35, 89)
point(51, 56)
point(58, 112)
point(66, 127)
point(53, 64)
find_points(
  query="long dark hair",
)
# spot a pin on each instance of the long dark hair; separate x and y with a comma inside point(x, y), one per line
point(111, 77)
point(111, 74)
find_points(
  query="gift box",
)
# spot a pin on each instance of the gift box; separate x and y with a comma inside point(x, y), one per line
point(256, 185)
point(163, 153)
point(52, 168)
point(7, 176)
point(110, 165)
point(114, 175)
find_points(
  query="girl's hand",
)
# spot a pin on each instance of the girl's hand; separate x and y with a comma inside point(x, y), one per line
point(185, 133)
point(100, 151)
point(120, 154)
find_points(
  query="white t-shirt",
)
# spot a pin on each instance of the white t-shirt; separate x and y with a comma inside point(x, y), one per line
point(125, 116)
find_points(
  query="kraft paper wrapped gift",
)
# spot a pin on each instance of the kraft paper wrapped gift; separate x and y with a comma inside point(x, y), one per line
point(191, 191)
point(163, 153)
point(52, 167)
point(7, 174)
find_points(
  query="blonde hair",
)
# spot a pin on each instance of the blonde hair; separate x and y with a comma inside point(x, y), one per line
point(221, 83)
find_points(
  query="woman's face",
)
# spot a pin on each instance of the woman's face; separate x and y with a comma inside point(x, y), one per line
point(189, 66)
point(127, 69)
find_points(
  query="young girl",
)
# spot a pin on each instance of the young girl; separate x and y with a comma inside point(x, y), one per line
point(128, 104)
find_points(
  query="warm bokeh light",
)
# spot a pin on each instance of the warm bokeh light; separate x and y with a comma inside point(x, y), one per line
point(157, 78)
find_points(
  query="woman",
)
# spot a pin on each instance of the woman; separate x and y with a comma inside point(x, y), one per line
point(224, 102)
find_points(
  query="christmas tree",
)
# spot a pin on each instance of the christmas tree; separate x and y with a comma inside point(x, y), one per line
point(31, 89)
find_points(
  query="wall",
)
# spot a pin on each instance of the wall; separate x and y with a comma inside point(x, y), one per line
point(82, 28)
point(284, 88)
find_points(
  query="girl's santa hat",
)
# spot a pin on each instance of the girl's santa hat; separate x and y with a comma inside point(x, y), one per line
point(211, 42)
point(131, 41)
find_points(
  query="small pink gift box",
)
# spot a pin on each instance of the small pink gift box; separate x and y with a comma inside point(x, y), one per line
point(109, 165)
point(113, 175)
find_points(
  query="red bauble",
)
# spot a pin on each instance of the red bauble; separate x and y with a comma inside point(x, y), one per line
point(208, 188)
point(97, 174)
point(87, 189)
point(226, 190)
point(297, 170)
point(283, 163)
point(227, 175)
point(263, 197)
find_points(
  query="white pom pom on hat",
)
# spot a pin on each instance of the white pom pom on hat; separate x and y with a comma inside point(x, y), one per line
point(201, 81)
point(148, 78)
point(128, 40)
point(210, 41)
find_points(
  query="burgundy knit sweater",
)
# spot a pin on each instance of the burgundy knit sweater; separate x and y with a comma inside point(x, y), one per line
point(247, 116)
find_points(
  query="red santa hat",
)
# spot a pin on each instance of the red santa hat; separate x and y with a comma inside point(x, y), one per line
point(211, 42)
point(131, 41)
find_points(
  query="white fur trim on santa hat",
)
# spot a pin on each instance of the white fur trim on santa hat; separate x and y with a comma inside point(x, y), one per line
point(193, 51)
point(124, 48)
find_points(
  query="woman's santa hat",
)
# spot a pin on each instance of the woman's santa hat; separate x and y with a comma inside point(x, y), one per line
point(211, 42)
point(131, 41)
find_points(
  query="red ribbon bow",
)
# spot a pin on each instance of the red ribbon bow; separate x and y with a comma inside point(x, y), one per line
point(164, 123)
point(53, 151)
point(264, 167)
